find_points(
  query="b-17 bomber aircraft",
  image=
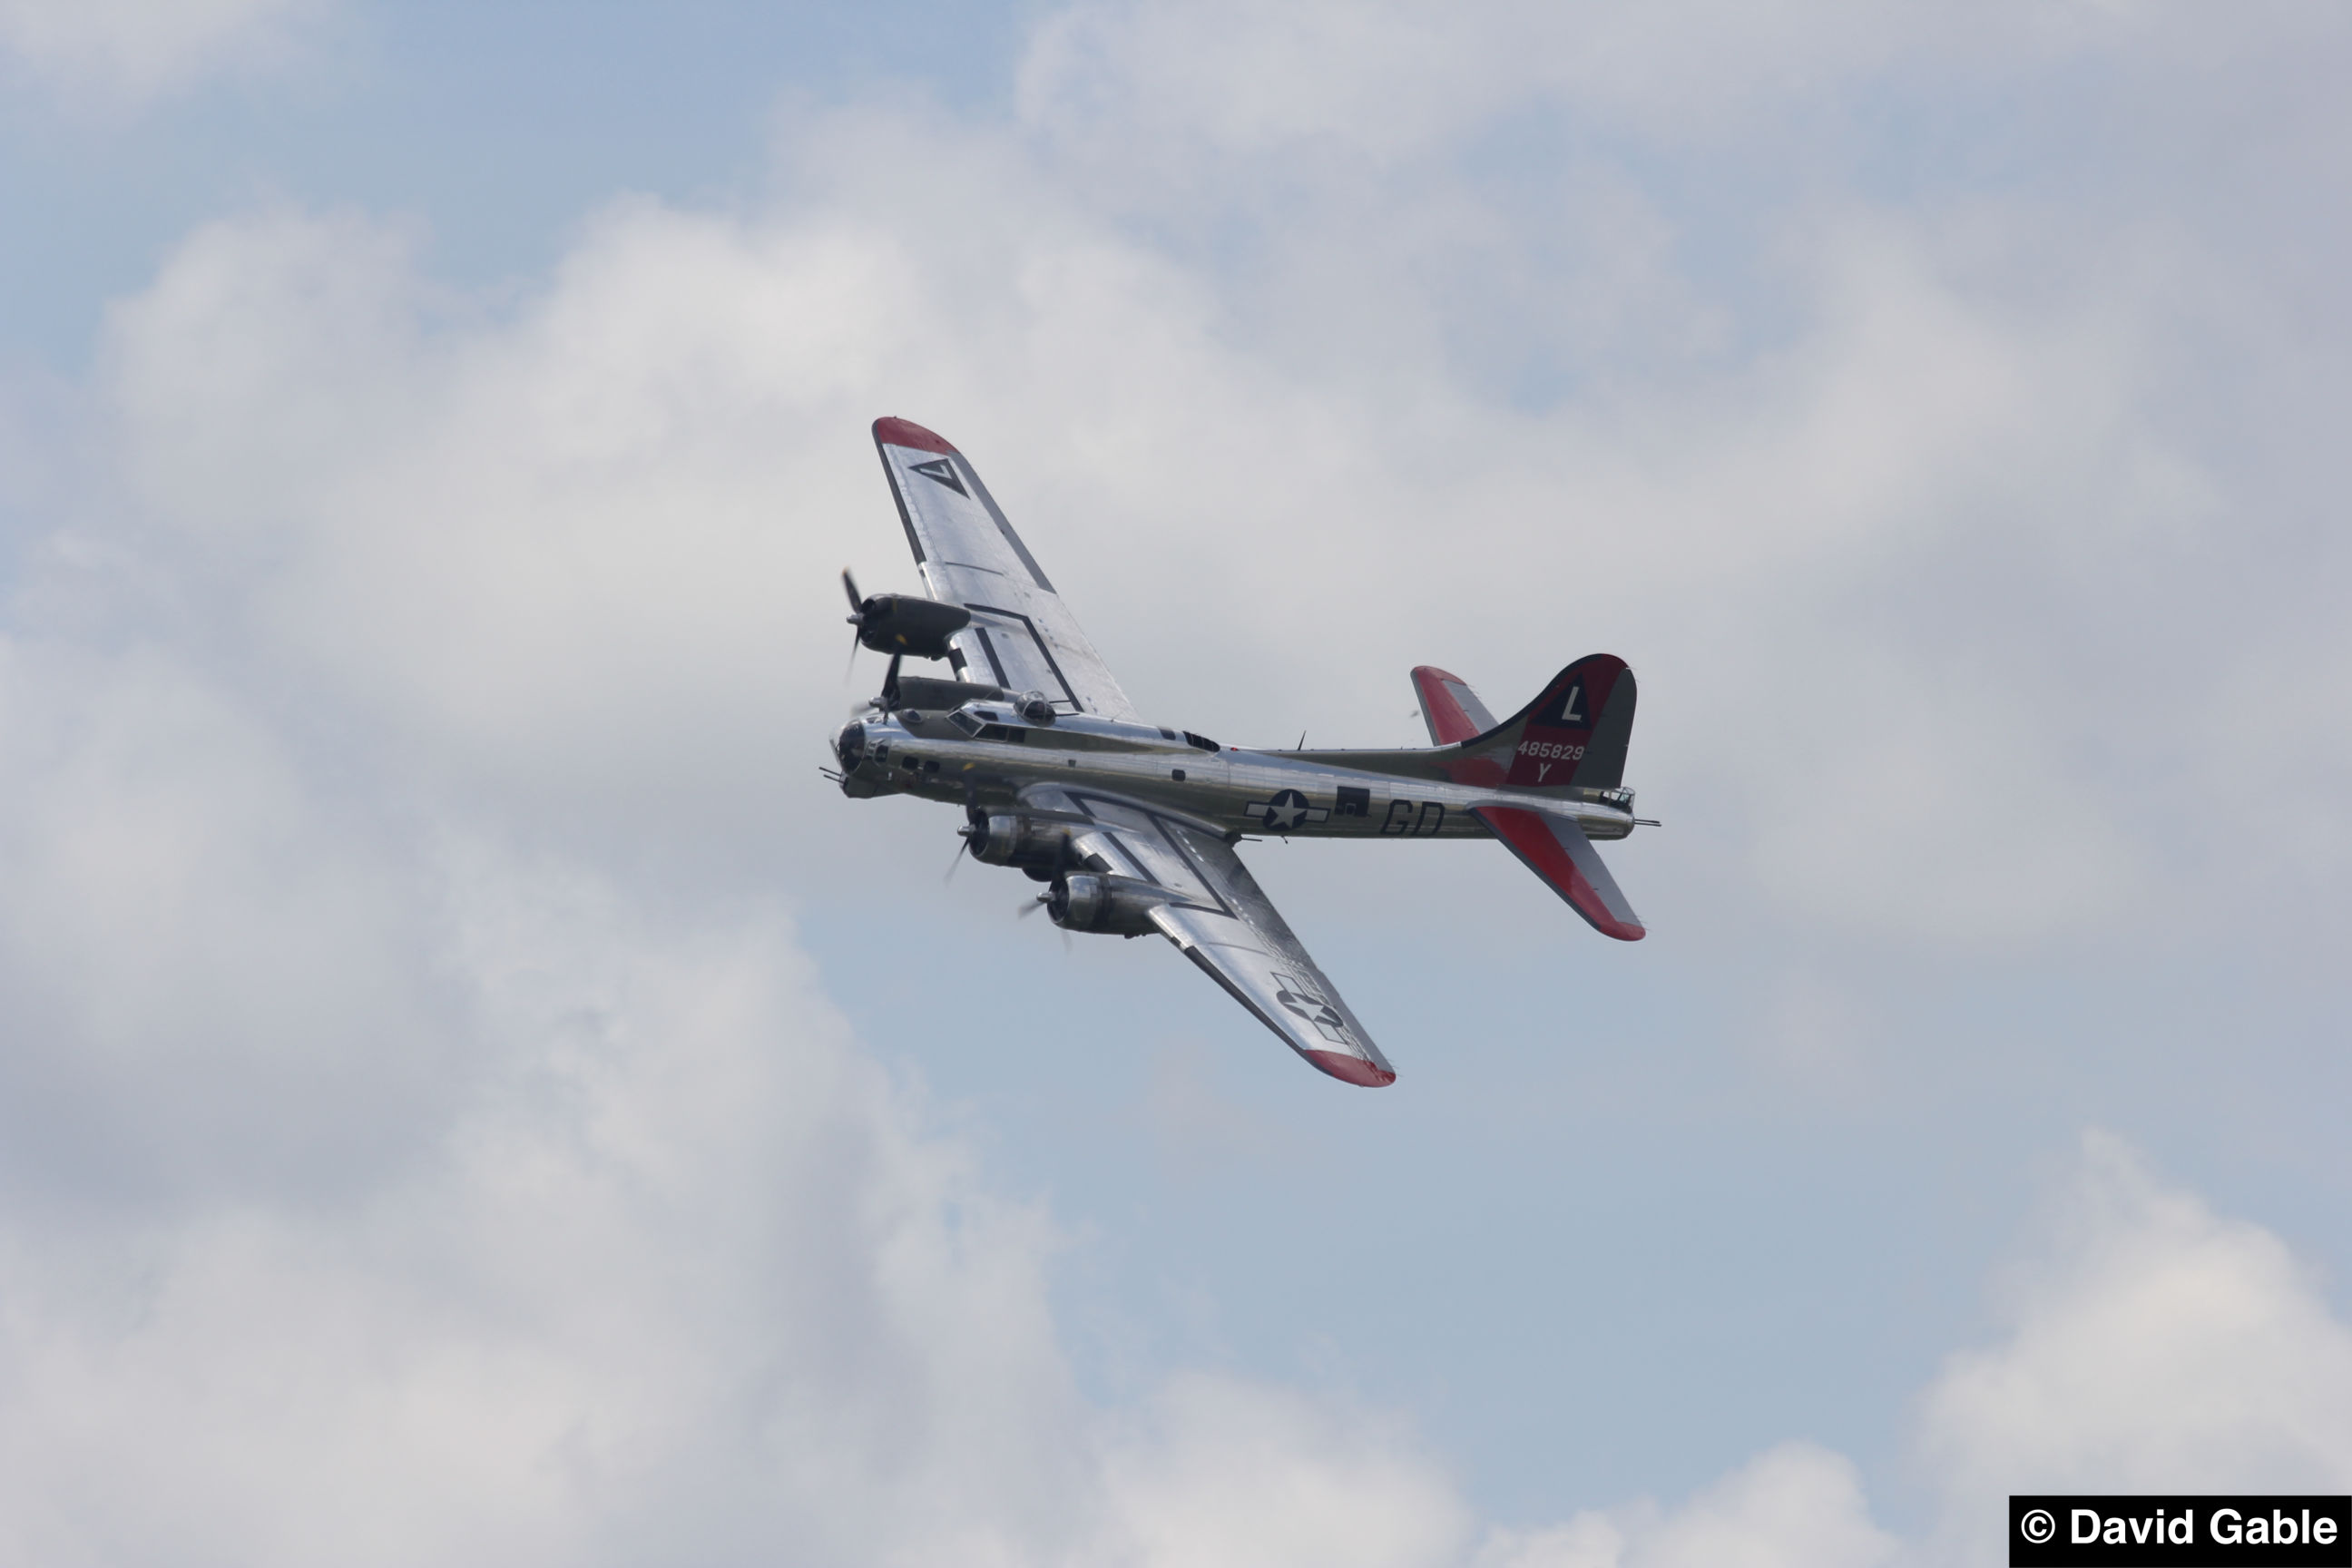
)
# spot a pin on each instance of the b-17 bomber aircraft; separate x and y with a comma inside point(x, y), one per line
point(1132, 825)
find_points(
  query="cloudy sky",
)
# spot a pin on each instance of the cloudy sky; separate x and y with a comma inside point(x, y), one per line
point(470, 1093)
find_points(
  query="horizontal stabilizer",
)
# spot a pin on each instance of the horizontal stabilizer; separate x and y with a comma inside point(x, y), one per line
point(1448, 706)
point(1556, 849)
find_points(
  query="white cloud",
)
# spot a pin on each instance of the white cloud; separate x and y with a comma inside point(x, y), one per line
point(1798, 1504)
point(1391, 83)
point(2151, 1346)
point(1226, 1473)
point(678, 1269)
point(116, 51)
point(216, 975)
point(2154, 1347)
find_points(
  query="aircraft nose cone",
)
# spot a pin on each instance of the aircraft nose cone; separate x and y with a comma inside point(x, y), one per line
point(1352, 1070)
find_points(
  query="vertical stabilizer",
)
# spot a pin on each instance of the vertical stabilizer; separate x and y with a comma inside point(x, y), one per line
point(1574, 734)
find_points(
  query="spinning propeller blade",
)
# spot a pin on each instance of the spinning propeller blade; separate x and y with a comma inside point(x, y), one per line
point(975, 823)
point(856, 621)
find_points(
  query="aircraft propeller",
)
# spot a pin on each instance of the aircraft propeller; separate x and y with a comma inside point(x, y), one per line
point(856, 618)
point(975, 829)
point(1028, 907)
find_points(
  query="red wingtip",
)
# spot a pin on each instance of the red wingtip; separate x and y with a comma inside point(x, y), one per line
point(1352, 1070)
point(893, 432)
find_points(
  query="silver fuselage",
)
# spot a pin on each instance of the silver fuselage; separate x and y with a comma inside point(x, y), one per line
point(984, 754)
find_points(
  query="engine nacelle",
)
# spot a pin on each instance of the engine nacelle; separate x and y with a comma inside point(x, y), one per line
point(1115, 905)
point(905, 624)
point(1009, 840)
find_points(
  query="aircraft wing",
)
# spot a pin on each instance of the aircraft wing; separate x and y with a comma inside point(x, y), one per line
point(1021, 637)
point(1224, 922)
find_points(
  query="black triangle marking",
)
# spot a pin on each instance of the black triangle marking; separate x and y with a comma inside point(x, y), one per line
point(943, 471)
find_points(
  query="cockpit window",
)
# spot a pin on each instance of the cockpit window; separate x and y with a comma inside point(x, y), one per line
point(982, 726)
point(1201, 741)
